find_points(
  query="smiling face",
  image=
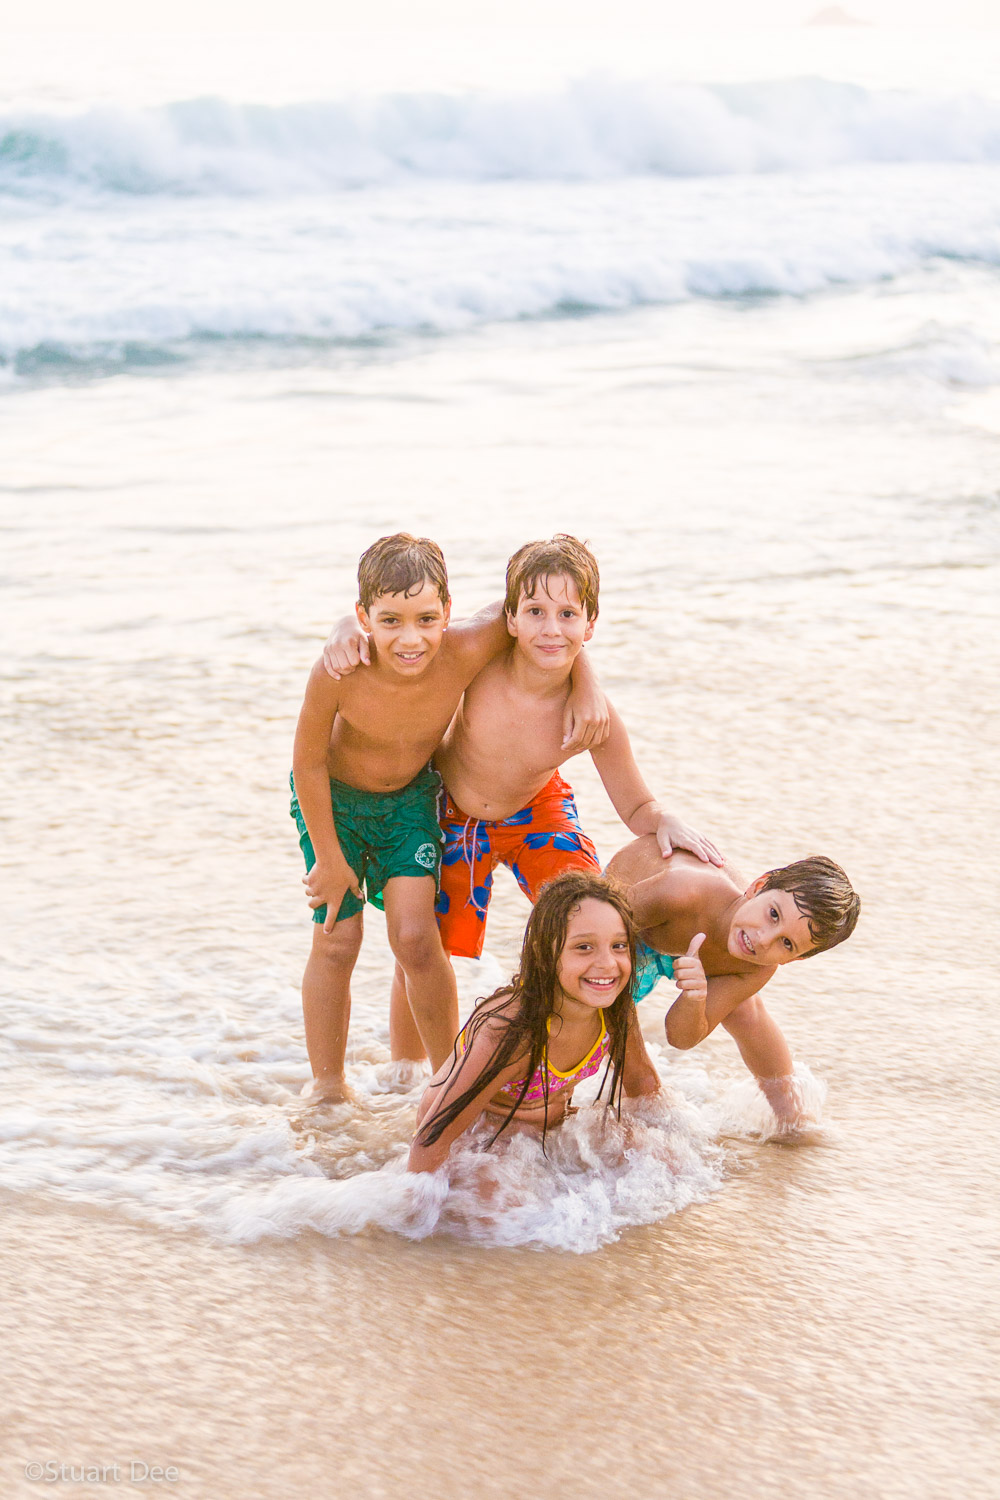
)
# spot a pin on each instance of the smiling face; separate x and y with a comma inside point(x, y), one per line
point(594, 964)
point(406, 629)
point(767, 928)
point(551, 624)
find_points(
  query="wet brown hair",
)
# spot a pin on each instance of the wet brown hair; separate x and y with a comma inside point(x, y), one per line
point(824, 896)
point(523, 1008)
point(560, 555)
point(401, 564)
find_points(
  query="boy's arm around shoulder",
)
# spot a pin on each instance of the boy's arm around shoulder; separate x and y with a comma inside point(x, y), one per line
point(484, 636)
point(331, 875)
point(465, 1070)
point(480, 638)
point(472, 642)
point(587, 715)
point(634, 802)
point(346, 648)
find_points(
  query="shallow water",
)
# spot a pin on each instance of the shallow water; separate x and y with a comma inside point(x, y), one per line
point(798, 624)
point(795, 504)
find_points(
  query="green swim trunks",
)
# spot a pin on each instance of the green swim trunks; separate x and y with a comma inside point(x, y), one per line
point(381, 834)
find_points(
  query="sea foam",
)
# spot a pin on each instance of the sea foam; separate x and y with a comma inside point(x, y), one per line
point(596, 1176)
point(593, 128)
point(131, 288)
point(207, 229)
point(202, 1129)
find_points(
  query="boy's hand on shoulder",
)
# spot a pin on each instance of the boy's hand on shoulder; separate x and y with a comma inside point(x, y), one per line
point(587, 717)
point(689, 975)
point(326, 885)
point(672, 834)
point(346, 649)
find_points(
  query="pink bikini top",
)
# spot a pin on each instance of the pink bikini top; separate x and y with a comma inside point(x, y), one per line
point(557, 1083)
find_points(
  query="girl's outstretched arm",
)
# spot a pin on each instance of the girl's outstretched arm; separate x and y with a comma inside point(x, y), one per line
point(451, 1081)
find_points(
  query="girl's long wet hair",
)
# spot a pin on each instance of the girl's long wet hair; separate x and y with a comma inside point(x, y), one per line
point(523, 1009)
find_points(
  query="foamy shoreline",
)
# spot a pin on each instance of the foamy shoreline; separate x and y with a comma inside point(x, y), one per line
point(264, 1371)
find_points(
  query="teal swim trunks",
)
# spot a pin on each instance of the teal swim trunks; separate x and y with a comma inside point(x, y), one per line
point(650, 968)
point(381, 834)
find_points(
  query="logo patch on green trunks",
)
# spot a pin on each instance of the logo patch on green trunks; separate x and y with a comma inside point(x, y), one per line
point(426, 855)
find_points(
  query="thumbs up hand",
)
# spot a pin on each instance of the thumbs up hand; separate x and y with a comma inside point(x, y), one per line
point(689, 976)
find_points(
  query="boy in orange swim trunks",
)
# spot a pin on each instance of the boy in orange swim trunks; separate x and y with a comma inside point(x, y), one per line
point(536, 843)
point(505, 801)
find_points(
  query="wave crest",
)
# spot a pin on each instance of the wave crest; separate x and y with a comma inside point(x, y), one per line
point(593, 129)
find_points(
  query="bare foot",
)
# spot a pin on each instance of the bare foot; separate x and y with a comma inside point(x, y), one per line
point(402, 1075)
point(803, 1130)
point(333, 1090)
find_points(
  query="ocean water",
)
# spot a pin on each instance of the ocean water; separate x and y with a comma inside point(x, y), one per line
point(729, 307)
point(283, 223)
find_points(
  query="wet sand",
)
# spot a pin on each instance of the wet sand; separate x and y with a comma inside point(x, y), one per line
point(773, 1338)
point(826, 1325)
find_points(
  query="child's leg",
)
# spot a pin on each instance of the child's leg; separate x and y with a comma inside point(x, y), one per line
point(404, 1038)
point(430, 979)
point(326, 1004)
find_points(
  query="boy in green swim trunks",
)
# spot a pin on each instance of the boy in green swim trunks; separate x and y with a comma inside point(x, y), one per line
point(721, 940)
point(364, 796)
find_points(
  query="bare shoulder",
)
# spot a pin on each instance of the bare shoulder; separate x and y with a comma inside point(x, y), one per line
point(324, 692)
point(492, 1016)
point(696, 874)
point(486, 1028)
point(682, 889)
point(484, 676)
point(642, 860)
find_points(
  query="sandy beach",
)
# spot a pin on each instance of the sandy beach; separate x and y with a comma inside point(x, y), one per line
point(826, 1320)
point(820, 1326)
point(768, 396)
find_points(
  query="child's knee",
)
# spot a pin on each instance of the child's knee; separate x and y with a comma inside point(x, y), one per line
point(416, 945)
point(341, 945)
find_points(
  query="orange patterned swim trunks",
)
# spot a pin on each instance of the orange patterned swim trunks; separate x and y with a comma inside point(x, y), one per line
point(536, 844)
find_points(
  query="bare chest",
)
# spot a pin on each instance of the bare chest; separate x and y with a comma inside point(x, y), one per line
point(383, 715)
point(529, 731)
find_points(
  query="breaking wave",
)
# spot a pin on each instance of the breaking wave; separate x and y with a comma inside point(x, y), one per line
point(593, 129)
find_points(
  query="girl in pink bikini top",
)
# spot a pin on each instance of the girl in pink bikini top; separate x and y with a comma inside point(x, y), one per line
point(547, 1080)
point(567, 1011)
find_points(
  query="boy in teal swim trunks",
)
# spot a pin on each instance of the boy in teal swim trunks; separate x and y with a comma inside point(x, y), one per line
point(364, 796)
point(721, 940)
